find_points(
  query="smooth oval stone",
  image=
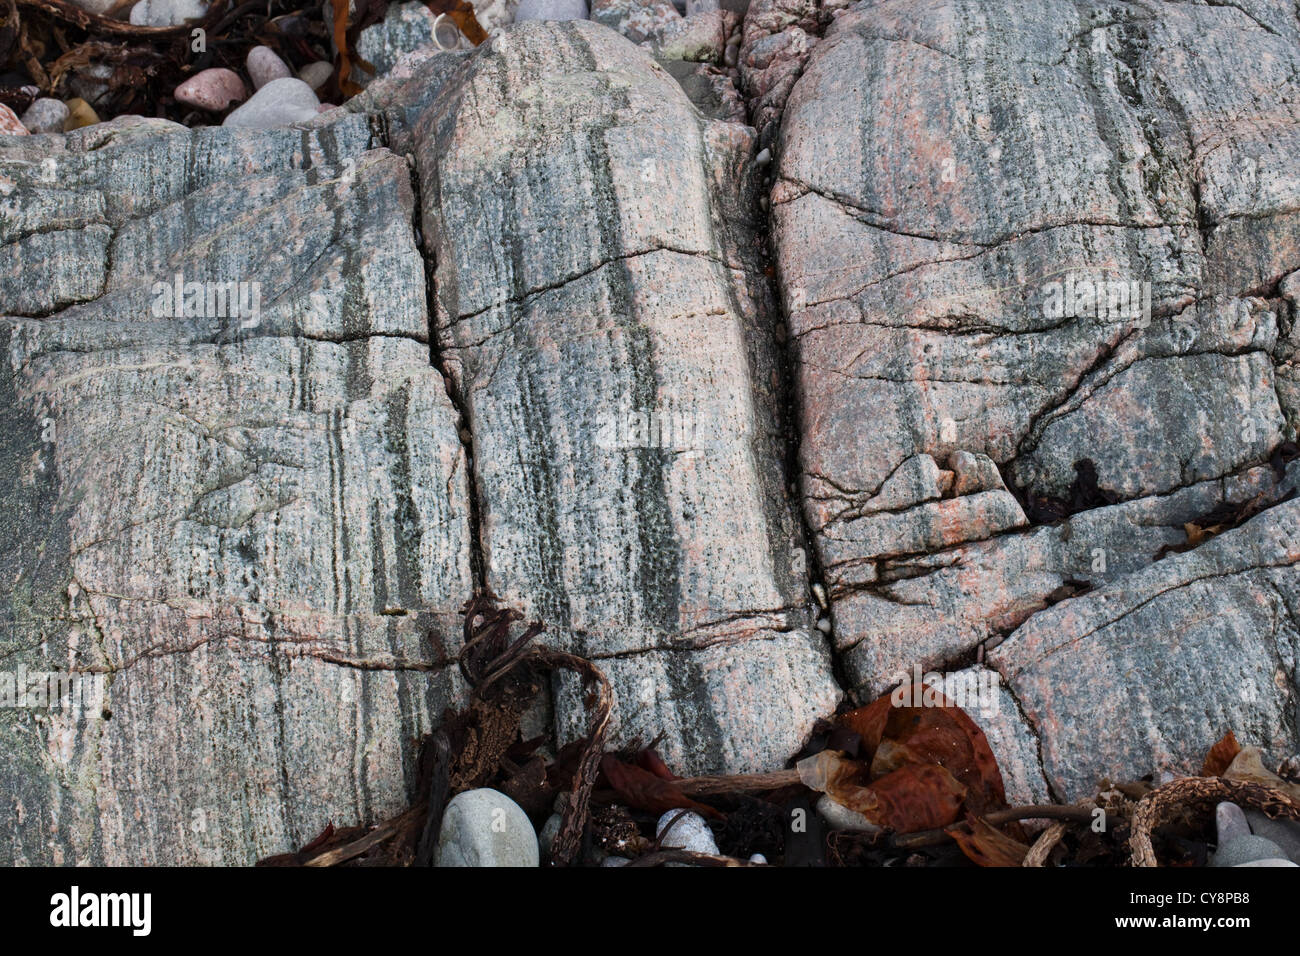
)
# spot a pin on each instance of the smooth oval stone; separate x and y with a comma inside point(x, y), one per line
point(213, 89)
point(45, 115)
point(10, 124)
point(1270, 862)
point(1229, 823)
point(279, 103)
point(316, 74)
point(1247, 849)
point(551, 10)
point(166, 13)
point(80, 113)
point(264, 65)
point(691, 832)
point(486, 828)
point(1285, 833)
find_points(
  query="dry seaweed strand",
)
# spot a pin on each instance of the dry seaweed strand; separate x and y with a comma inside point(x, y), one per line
point(1200, 795)
point(498, 668)
point(1044, 845)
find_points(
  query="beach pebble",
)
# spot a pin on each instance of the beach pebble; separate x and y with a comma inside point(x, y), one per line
point(264, 66)
point(166, 13)
point(80, 114)
point(840, 817)
point(316, 74)
point(691, 832)
point(279, 103)
point(758, 858)
point(1270, 862)
point(9, 122)
point(486, 828)
point(1229, 823)
point(45, 115)
point(212, 90)
point(615, 861)
point(701, 6)
point(1285, 833)
point(551, 10)
point(550, 830)
point(1247, 849)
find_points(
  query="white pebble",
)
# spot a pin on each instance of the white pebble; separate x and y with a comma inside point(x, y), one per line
point(316, 74)
point(280, 103)
point(691, 832)
point(166, 13)
point(486, 828)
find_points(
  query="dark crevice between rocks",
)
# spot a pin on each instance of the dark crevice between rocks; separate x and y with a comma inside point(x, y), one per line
point(477, 565)
point(788, 398)
point(1031, 725)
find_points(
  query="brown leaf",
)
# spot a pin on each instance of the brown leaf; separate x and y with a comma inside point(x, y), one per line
point(1220, 756)
point(986, 845)
point(913, 797)
point(1248, 767)
point(642, 789)
point(648, 759)
point(460, 13)
point(928, 728)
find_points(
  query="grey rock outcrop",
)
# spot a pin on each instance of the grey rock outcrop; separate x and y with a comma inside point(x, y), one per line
point(253, 529)
point(970, 275)
point(616, 360)
point(1015, 409)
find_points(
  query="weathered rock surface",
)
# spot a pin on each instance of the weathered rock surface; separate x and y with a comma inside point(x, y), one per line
point(604, 318)
point(254, 528)
point(1032, 366)
point(972, 205)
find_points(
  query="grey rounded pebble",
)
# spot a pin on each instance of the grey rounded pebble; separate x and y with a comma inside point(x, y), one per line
point(486, 828)
point(166, 13)
point(279, 103)
point(1229, 823)
point(840, 817)
point(701, 6)
point(1271, 862)
point(1247, 849)
point(757, 858)
point(1285, 833)
point(550, 830)
point(45, 115)
point(316, 74)
point(691, 832)
point(264, 66)
point(615, 861)
point(551, 10)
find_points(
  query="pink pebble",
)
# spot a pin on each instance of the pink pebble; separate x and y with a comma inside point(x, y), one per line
point(211, 90)
point(264, 66)
point(9, 122)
